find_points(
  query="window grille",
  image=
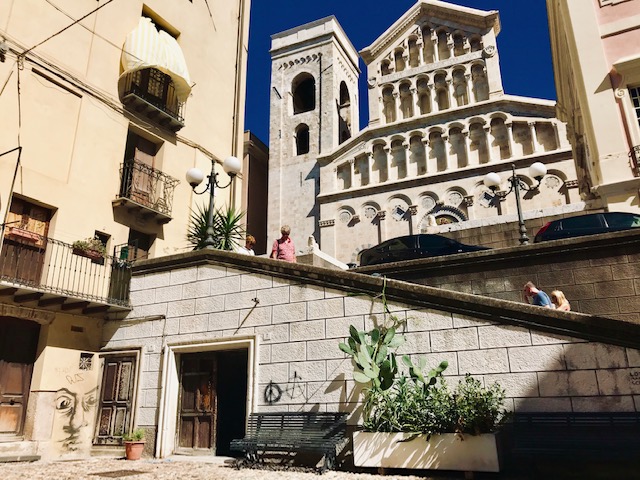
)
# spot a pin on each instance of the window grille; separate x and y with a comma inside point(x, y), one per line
point(634, 93)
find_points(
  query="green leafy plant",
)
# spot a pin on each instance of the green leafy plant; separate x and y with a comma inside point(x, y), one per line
point(373, 352)
point(93, 244)
point(479, 409)
point(422, 401)
point(418, 374)
point(136, 435)
point(408, 407)
point(228, 230)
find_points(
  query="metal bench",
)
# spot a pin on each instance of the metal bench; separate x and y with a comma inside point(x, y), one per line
point(578, 435)
point(310, 432)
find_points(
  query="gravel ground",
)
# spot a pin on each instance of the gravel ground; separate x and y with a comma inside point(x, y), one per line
point(148, 469)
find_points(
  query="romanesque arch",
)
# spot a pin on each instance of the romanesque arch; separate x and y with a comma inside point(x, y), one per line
point(303, 90)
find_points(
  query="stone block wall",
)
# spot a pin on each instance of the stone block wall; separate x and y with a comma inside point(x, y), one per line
point(504, 235)
point(297, 327)
point(600, 275)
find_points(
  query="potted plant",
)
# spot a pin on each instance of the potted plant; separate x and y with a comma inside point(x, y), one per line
point(22, 234)
point(134, 444)
point(91, 248)
point(416, 420)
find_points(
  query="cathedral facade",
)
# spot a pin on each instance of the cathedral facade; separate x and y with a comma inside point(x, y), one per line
point(439, 121)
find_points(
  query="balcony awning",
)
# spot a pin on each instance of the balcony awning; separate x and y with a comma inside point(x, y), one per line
point(145, 47)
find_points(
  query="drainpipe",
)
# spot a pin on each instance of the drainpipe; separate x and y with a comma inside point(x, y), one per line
point(237, 90)
point(319, 90)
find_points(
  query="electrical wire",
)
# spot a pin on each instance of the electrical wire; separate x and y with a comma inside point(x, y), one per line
point(93, 32)
point(38, 60)
point(67, 27)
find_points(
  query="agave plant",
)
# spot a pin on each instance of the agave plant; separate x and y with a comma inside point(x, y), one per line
point(228, 229)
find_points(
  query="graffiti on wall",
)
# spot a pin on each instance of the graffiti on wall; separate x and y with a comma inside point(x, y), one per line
point(74, 407)
point(293, 389)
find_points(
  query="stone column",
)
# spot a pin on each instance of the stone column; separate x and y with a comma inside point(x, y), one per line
point(352, 172)
point(396, 104)
point(368, 166)
point(431, 87)
point(534, 137)
point(556, 134)
point(450, 92)
point(509, 126)
point(487, 139)
point(387, 154)
point(420, 47)
point(447, 157)
point(425, 142)
point(434, 43)
point(467, 77)
point(415, 99)
point(465, 140)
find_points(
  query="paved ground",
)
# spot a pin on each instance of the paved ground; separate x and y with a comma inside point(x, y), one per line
point(173, 468)
point(216, 468)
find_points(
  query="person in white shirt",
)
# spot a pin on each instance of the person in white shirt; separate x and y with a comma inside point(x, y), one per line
point(248, 246)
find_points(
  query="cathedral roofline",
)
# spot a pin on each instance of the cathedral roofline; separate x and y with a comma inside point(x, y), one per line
point(312, 33)
point(452, 13)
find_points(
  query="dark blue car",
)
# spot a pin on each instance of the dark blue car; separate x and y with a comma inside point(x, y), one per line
point(410, 247)
point(588, 224)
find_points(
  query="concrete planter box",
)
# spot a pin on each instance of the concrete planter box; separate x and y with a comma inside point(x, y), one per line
point(448, 451)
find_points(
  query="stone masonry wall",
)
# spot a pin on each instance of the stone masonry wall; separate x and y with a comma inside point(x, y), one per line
point(600, 275)
point(299, 326)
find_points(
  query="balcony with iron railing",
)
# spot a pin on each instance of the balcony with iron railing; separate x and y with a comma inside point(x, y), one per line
point(634, 157)
point(43, 272)
point(151, 93)
point(145, 190)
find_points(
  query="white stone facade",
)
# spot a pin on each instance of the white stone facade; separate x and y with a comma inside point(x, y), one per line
point(292, 330)
point(439, 120)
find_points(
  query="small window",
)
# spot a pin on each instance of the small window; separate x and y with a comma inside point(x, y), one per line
point(634, 93)
point(103, 237)
point(136, 248)
point(302, 140)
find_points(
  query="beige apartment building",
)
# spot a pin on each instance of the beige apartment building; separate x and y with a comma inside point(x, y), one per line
point(596, 60)
point(439, 121)
point(105, 106)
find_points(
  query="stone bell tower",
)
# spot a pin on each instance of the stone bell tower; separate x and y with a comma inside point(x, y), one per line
point(314, 108)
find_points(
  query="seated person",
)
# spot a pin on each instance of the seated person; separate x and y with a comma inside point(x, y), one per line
point(560, 301)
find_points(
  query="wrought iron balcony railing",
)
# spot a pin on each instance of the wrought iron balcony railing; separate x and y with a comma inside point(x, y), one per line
point(151, 93)
point(634, 156)
point(147, 187)
point(50, 266)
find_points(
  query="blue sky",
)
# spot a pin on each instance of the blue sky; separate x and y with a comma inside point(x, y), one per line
point(523, 43)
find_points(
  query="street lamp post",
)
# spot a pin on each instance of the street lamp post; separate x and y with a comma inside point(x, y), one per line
point(492, 181)
point(195, 176)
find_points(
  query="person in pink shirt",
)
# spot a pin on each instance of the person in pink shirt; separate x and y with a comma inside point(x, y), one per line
point(283, 248)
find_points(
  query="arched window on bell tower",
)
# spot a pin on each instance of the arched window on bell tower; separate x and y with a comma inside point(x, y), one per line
point(302, 139)
point(344, 114)
point(303, 89)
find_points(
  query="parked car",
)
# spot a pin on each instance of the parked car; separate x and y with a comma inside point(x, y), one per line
point(588, 224)
point(413, 246)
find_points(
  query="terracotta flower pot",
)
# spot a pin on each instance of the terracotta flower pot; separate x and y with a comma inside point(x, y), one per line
point(133, 450)
point(22, 234)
